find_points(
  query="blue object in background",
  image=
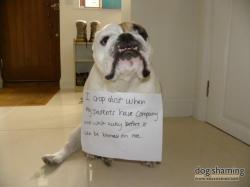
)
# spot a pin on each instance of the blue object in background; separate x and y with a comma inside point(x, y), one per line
point(111, 4)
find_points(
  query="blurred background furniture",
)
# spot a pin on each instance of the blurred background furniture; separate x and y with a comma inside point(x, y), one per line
point(83, 63)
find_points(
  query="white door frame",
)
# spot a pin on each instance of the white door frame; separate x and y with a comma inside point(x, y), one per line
point(204, 59)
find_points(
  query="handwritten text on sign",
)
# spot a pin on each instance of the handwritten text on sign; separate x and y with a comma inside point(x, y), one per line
point(123, 125)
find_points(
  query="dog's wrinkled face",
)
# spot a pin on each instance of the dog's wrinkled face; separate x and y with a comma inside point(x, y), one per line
point(122, 51)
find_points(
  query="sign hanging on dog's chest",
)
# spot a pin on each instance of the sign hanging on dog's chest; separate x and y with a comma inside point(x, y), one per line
point(122, 125)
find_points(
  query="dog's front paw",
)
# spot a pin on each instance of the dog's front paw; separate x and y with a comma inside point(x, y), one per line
point(52, 159)
point(107, 161)
point(91, 157)
point(150, 164)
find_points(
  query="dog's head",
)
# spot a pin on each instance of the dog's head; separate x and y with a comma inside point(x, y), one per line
point(121, 51)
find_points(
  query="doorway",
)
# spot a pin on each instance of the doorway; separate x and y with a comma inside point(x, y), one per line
point(229, 101)
point(30, 41)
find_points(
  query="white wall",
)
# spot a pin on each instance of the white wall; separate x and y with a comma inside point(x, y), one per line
point(173, 27)
point(126, 10)
point(69, 13)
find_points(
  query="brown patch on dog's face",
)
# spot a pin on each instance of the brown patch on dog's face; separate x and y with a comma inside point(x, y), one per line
point(128, 27)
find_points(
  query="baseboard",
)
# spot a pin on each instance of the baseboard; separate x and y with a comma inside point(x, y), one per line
point(66, 85)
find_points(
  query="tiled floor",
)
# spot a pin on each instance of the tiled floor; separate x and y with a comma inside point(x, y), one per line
point(26, 133)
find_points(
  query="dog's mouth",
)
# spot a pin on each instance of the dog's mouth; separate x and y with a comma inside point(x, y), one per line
point(128, 53)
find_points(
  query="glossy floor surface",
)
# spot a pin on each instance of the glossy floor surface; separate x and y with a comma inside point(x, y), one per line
point(26, 133)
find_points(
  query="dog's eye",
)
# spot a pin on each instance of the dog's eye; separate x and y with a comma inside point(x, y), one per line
point(141, 31)
point(104, 40)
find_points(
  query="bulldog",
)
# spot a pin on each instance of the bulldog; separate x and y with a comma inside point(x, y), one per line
point(121, 54)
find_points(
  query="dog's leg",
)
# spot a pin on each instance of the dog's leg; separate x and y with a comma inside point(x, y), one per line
point(73, 144)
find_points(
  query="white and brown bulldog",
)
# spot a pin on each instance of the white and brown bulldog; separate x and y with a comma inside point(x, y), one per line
point(122, 64)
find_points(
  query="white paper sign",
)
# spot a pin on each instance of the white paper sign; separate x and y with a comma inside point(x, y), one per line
point(123, 125)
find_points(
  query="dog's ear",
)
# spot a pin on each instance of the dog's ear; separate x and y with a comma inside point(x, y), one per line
point(141, 30)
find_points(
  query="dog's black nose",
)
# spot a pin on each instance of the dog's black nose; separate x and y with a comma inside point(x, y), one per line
point(126, 37)
point(126, 40)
